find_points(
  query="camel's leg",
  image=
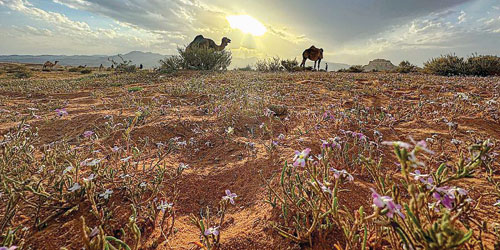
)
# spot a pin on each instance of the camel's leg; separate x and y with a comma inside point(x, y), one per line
point(319, 62)
point(303, 64)
point(314, 65)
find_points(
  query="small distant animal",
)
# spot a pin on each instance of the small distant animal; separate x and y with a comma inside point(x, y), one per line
point(326, 67)
point(313, 54)
point(140, 66)
point(101, 68)
point(202, 42)
point(82, 67)
point(49, 65)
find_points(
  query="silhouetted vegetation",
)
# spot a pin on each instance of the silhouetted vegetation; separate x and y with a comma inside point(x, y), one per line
point(290, 65)
point(197, 59)
point(486, 65)
point(246, 68)
point(406, 67)
point(125, 66)
point(352, 69)
point(478, 65)
point(269, 65)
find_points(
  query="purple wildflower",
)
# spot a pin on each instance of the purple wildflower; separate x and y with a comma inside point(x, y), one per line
point(75, 187)
point(497, 204)
point(88, 134)
point(212, 231)
point(398, 144)
point(8, 248)
point(163, 206)
point(300, 157)
point(61, 112)
point(229, 196)
point(386, 201)
point(342, 174)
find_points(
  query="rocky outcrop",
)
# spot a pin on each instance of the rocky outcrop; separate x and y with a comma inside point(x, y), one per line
point(379, 65)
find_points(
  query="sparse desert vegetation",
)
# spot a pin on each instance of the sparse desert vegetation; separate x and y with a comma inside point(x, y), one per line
point(244, 159)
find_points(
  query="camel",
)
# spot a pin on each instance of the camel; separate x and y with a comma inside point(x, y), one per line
point(202, 42)
point(49, 64)
point(313, 54)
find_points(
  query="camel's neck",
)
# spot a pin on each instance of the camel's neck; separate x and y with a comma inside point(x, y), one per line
point(222, 46)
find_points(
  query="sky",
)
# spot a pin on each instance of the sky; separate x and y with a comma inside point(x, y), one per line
point(349, 31)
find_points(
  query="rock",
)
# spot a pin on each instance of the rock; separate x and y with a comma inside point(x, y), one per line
point(379, 65)
point(279, 110)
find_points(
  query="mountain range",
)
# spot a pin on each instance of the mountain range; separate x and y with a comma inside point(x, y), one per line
point(147, 59)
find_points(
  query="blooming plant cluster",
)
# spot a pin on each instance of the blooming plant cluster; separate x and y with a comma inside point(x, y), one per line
point(210, 224)
point(66, 178)
point(435, 215)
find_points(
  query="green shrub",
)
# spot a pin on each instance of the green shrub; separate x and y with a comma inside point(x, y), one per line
point(21, 71)
point(353, 69)
point(170, 64)
point(269, 65)
point(246, 68)
point(116, 84)
point(478, 65)
point(446, 65)
point(406, 67)
point(290, 65)
point(203, 59)
point(483, 65)
point(74, 69)
point(134, 89)
point(86, 71)
point(124, 66)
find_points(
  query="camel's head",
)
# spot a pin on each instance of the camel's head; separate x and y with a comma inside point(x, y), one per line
point(56, 62)
point(226, 41)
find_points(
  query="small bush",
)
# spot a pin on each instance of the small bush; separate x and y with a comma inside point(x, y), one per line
point(353, 69)
point(134, 89)
point(478, 65)
point(406, 67)
point(290, 65)
point(116, 84)
point(486, 65)
point(269, 65)
point(446, 65)
point(21, 71)
point(74, 69)
point(247, 68)
point(204, 59)
point(170, 64)
point(86, 71)
point(124, 66)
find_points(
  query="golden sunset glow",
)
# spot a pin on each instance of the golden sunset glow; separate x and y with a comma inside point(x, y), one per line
point(247, 24)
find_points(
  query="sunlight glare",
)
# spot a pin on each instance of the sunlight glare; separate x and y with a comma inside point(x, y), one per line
point(247, 24)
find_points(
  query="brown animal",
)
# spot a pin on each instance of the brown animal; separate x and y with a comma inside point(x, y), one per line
point(49, 64)
point(201, 42)
point(313, 54)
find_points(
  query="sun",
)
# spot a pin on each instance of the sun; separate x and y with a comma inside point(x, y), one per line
point(247, 24)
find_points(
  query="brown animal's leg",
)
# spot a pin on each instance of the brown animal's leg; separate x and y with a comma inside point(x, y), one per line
point(319, 62)
point(314, 65)
point(303, 64)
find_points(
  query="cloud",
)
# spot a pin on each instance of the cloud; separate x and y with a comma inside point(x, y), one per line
point(463, 17)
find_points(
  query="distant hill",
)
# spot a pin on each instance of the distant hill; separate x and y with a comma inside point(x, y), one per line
point(147, 59)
